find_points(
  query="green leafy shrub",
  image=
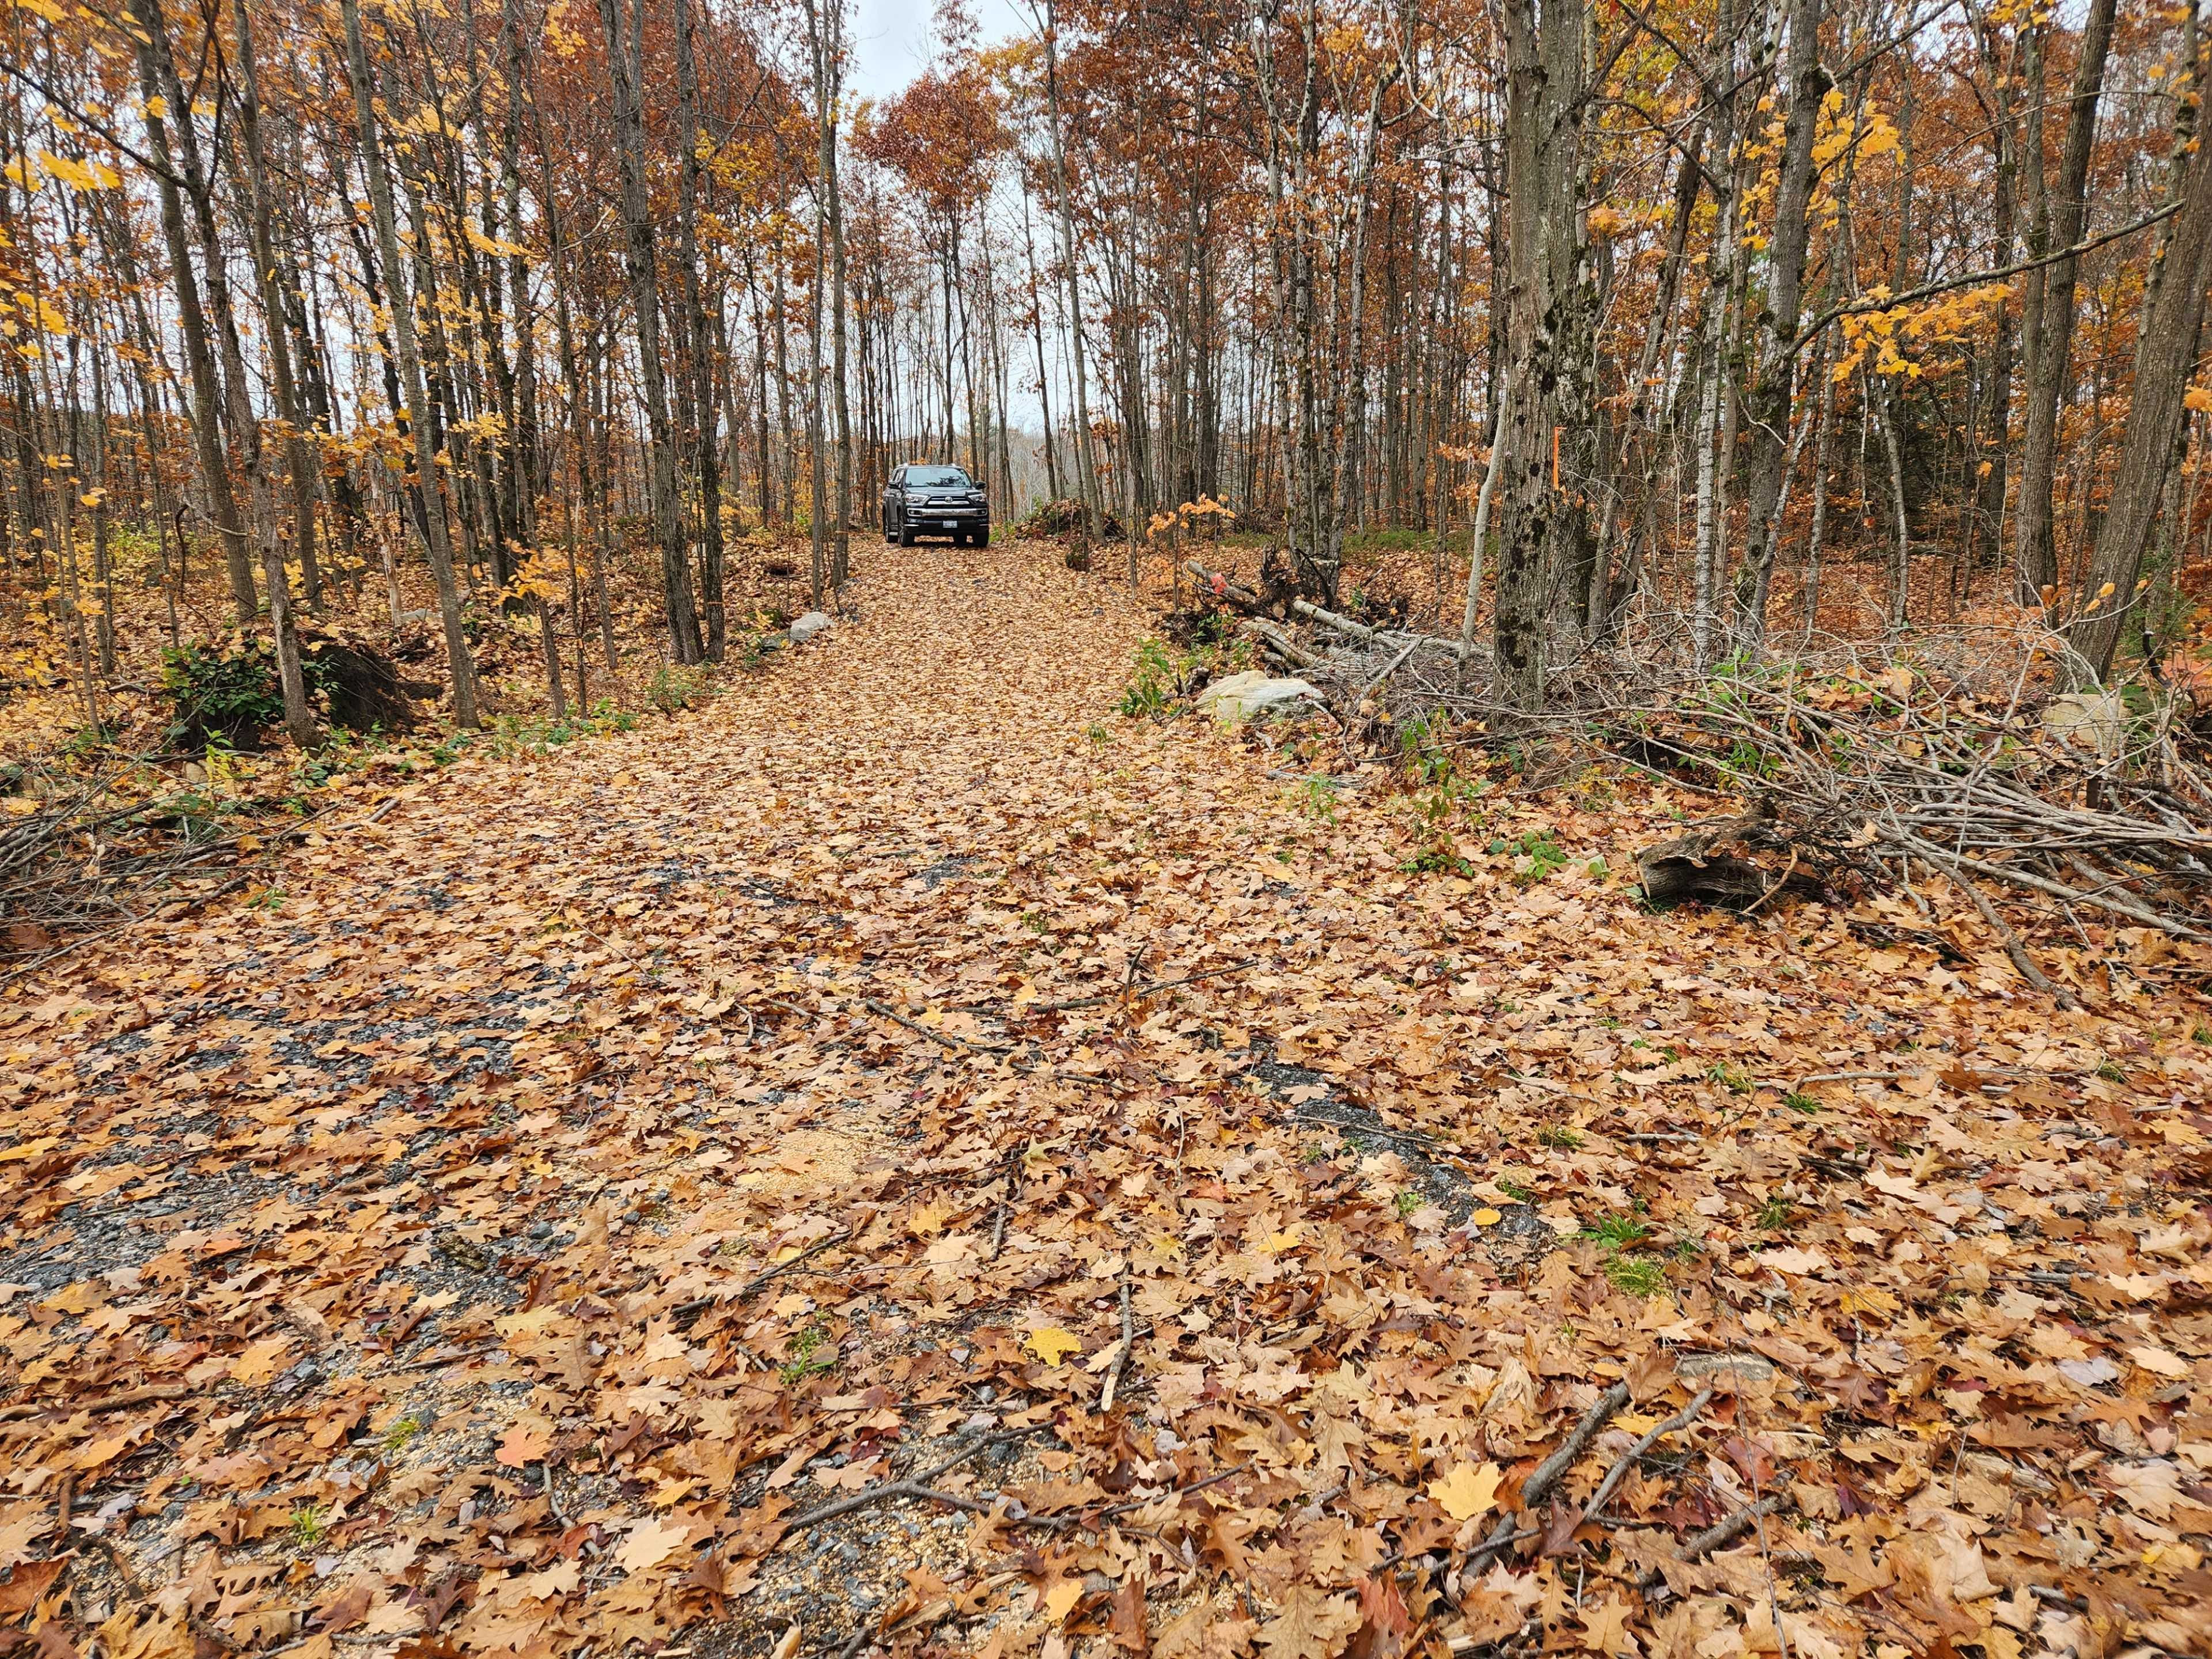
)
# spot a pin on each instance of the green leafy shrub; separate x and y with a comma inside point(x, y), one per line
point(226, 696)
point(675, 687)
point(538, 735)
point(1541, 855)
point(1152, 687)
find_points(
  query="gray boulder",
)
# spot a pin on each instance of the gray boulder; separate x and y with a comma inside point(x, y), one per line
point(1253, 695)
point(806, 627)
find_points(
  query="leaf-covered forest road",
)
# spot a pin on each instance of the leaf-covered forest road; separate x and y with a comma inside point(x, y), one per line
point(509, 1235)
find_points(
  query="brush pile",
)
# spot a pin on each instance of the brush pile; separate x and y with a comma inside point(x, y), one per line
point(83, 856)
point(1955, 757)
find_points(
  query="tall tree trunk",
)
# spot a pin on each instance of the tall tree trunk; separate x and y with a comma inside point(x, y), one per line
point(1037, 325)
point(824, 29)
point(1992, 455)
point(625, 64)
point(1773, 390)
point(699, 357)
point(1545, 429)
point(155, 73)
point(2166, 356)
point(291, 678)
point(1086, 473)
point(2050, 349)
point(436, 548)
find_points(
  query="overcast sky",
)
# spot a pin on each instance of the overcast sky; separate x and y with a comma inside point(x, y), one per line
point(892, 42)
point(892, 38)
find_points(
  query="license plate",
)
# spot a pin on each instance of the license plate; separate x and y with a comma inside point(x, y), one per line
point(952, 524)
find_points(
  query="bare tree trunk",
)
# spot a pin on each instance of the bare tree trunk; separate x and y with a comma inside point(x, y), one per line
point(1352, 368)
point(291, 678)
point(1776, 326)
point(1086, 472)
point(436, 549)
point(787, 460)
point(823, 28)
point(1036, 323)
point(625, 63)
point(154, 73)
point(1547, 518)
point(1482, 524)
point(2166, 355)
point(699, 355)
point(2050, 349)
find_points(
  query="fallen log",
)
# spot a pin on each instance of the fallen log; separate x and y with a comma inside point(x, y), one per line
point(1217, 583)
point(1274, 639)
point(1692, 868)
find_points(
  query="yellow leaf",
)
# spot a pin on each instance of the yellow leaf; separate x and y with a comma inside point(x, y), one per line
point(1052, 1344)
point(1871, 1299)
point(929, 1219)
point(260, 1361)
point(484, 244)
point(1060, 1599)
point(1466, 1491)
point(79, 175)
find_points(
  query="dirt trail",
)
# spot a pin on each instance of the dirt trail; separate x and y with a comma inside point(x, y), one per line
point(496, 1239)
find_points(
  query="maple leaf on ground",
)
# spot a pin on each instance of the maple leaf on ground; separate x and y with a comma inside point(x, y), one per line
point(1465, 1492)
point(21, 1526)
point(350, 1606)
point(1384, 1622)
point(522, 1445)
point(25, 1585)
point(1310, 1625)
point(850, 1478)
point(1052, 1344)
point(260, 1361)
point(1059, 1598)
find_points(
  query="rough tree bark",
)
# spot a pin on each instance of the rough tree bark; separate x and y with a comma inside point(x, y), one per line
point(1086, 473)
point(699, 357)
point(2049, 348)
point(625, 56)
point(199, 354)
point(2165, 354)
point(1773, 388)
point(1547, 521)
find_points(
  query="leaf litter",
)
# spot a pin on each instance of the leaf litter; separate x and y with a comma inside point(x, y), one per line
point(906, 1157)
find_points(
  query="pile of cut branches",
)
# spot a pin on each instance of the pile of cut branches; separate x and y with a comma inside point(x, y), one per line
point(1955, 756)
point(1966, 764)
point(84, 856)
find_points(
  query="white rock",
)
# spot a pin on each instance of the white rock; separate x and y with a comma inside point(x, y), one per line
point(806, 627)
point(1251, 694)
point(2089, 719)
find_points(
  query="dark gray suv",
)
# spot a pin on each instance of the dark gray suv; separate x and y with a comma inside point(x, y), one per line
point(935, 501)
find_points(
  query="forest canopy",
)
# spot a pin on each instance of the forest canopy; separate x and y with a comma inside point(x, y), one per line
point(1757, 317)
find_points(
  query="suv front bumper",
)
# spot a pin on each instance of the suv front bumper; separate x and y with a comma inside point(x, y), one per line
point(941, 518)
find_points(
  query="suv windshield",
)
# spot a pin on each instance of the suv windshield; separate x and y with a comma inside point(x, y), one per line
point(940, 477)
